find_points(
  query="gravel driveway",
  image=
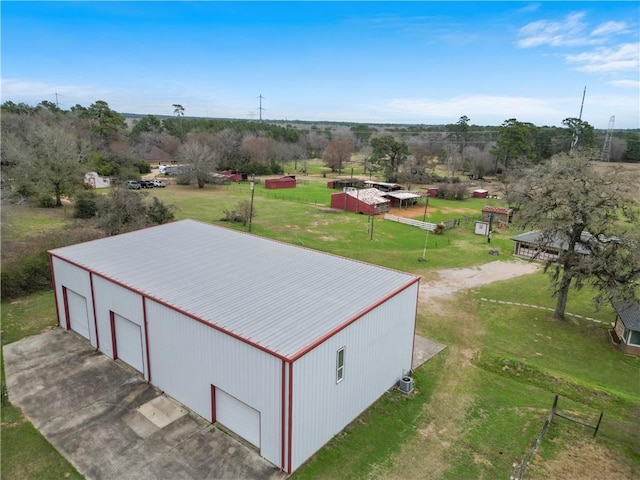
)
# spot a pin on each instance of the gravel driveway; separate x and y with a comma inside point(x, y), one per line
point(455, 279)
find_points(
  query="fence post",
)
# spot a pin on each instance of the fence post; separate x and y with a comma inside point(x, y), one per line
point(598, 425)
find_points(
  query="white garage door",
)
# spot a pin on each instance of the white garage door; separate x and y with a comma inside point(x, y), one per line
point(78, 316)
point(128, 342)
point(238, 417)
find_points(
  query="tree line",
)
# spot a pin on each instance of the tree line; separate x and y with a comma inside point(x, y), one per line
point(46, 150)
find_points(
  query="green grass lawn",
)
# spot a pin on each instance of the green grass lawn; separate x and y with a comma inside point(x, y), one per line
point(26, 454)
point(476, 407)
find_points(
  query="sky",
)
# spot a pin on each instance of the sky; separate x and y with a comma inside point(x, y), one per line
point(371, 62)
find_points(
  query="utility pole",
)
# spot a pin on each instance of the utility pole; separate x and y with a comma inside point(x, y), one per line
point(260, 109)
point(56, 95)
point(252, 186)
point(426, 204)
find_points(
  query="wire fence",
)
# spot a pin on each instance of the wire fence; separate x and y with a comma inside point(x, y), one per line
point(521, 470)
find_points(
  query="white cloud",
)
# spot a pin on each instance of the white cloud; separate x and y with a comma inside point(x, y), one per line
point(33, 92)
point(571, 31)
point(625, 83)
point(529, 8)
point(610, 28)
point(498, 108)
point(495, 109)
point(624, 57)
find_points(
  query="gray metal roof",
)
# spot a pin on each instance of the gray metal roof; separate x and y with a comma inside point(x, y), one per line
point(629, 313)
point(278, 296)
point(402, 195)
point(556, 241)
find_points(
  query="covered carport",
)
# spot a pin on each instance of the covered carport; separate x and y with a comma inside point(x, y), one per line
point(402, 199)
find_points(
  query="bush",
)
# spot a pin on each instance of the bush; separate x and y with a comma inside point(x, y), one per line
point(158, 212)
point(87, 204)
point(143, 167)
point(452, 191)
point(46, 201)
point(25, 265)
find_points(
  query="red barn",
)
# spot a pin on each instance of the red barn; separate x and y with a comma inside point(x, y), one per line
point(368, 201)
point(480, 193)
point(288, 181)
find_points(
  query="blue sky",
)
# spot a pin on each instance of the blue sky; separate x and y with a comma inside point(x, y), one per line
point(379, 62)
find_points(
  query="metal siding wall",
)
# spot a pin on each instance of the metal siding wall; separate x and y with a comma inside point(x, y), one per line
point(378, 352)
point(187, 357)
point(78, 280)
point(124, 302)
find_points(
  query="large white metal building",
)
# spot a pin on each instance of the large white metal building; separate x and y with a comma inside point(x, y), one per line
point(282, 345)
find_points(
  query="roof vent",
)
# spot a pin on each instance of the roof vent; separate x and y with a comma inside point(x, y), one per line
point(406, 384)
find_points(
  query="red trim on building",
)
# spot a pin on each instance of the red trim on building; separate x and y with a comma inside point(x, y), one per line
point(55, 290)
point(177, 309)
point(282, 414)
point(93, 305)
point(146, 337)
point(348, 322)
point(213, 404)
point(65, 299)
point(114, 346)
point(415, 326)
point(290, 429)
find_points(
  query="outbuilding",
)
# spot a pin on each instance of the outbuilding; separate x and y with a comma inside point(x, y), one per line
point(497, 215)
point(627, 327)
point(93, 180)
point(480, 193)
point(282, 345)
point(535, 245)
point(402, 199)
point(288, 181)
point(367, 201)
point(383, 186)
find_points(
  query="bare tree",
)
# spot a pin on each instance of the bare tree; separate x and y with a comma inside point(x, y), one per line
point(200, 162)
point(337, 153)
point(259, 150)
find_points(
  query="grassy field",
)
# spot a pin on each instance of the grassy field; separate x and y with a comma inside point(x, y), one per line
point(477, 406)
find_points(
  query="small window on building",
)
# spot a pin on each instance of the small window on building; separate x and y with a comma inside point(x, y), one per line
point(340, 365)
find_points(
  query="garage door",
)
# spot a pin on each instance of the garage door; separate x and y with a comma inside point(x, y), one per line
point(78, 316)
point(238, 417)
point(128, 342)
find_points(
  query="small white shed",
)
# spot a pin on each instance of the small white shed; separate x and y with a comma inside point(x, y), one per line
point(282, 345)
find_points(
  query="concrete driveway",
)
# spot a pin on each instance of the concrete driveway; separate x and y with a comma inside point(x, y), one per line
point(110, 424)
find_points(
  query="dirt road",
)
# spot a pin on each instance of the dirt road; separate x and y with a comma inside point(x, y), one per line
point(453, 280)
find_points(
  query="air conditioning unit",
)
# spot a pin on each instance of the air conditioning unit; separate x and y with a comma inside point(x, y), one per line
point(406, 384)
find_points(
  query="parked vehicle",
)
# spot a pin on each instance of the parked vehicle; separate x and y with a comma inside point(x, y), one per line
point(159, 184)
point(146, 184)
point(134, 184)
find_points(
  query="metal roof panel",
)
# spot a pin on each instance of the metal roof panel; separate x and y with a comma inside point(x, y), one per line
point(279, 296)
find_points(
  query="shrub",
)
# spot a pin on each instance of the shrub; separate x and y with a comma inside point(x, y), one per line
point(143, 167)
point(87, 204)
point(25, 264)
point(452, 191)
point(46, 201)
point(158, 212)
